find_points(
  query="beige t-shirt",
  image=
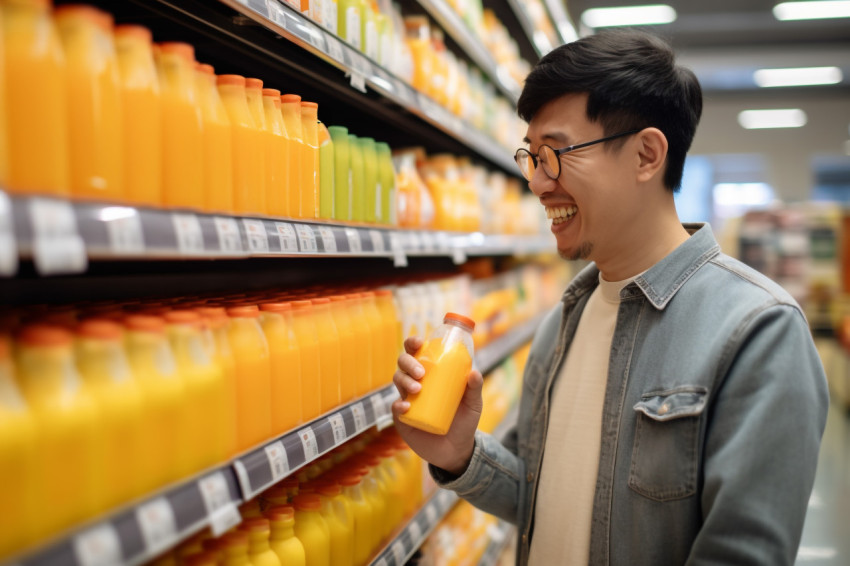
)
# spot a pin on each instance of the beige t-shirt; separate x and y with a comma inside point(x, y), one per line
point(564, 508)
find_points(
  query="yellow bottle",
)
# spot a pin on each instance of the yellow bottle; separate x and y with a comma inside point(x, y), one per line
point(36, 89)
point(312, 529)
point(254, 92)
point(246, 143)
point(310, 204)
point(342, 173)
point(4, 131)
point(358, 179)
point(218, 153)
point(286, 366)
point(304, 325)
point(340, 524)
point(348, 22)
point(371, 189)
point(392, 332)
point(103, 365)
point(283, 542)
point(235, 549)
point(363, 338)
point(375, 491)
point(250, 510)
point(259, 551)
point(347, 347)
point(386, 184)
point(290, 109)
point(364, 522)
point(378, 341)
point(69, 428)
point(368, 30)
point(329, 349)
point(277, 156)
point(19, 450)
point(141, 123)
point(218, 322)
point(393, 483)
point(326, 174)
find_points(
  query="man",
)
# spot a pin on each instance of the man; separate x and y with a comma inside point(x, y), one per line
point(673, 404)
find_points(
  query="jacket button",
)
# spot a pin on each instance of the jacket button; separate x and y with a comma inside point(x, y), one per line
point(530, 477)
point(662, 410)
point(524, 539)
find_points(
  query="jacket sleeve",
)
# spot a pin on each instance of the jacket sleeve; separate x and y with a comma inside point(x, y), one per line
point(761, 445)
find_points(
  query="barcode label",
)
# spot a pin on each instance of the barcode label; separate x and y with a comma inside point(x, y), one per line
point(288, 238)
point(431, 514)
point(258, 242)
point(359, 416)
point(378, 405)
point(308, 441)
point(306, 238)
point(125, 230)
point(228, 234)
point(377, 241)
point(57, 247)
point(398, 552)
point(334, 49)
point(338, 426)
point(187, 228)
point(354, 244)
point(328, 239)
point(157, 523)
point(98, 546)
point(214, 492)
point(278, 460)
point(8, 246)
point(415, 532)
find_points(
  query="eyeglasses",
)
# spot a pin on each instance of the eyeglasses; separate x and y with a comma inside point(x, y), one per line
point(550, 157)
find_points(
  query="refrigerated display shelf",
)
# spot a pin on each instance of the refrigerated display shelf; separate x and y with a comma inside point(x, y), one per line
point(488, 357)
point(558, 14)
point(499, 535)
point(537, 38)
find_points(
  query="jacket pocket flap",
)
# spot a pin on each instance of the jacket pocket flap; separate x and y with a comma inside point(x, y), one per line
point(673, 404)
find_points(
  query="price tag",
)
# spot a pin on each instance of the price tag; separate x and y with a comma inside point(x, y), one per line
point(378, 406)
point(190, 238)
point(157, 523)
point(458, 256)
point(317, 39)
point(276, 13)
point(398, 552)
point(334, 49)
point(403, 92)
point(278, 460)
point(358, 80)
point(224, 519)
point(308, 441)
point(287, 236)
point(397, 245)
point(428, 242)
point(328, 239)
point(215, 492)
point(338, 426)
point(228, 234)
point(98, 546)
point(8, 246)
point(306, 238)
point(57, 247)
point(125, 230)
point(415, 532)
point(413, 241)
point(380, 562)
point(258, 242)
point(354, 243)
point(432, 515)
point(377, 241)
point(359, 413)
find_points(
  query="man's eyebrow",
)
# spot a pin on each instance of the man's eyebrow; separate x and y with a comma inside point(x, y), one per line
point(554, 136)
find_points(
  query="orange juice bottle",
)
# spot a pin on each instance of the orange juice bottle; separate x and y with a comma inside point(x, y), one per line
point(326, 174)
point(182, 127)
point(361, 511)
point(254, 93)
point(165, 450)
point(4, 132)
point(378, 341)
point(363, 338)
point(342, 173)
point(235, 549)
point(19, 450)
point(312, 529)
point(310, 165)
point(418, 39)
point(286, 366)
point(447, 359)
point(36, 88)
point(371, 204)
point(277, 156)
point(330, 369)
point(69, 428)
point(218, 153)
point(358, 179)
point(250, 509)
point(216, 323)
point(290, 109)
point(304, 324)
point(259, 550)
point(289, 549)
point(340, 524)
point(253, 373)
point(392, 331)
point(103, 365)
point(391, 474)
point(247, 143)
point(347, 348)
point(94, 102)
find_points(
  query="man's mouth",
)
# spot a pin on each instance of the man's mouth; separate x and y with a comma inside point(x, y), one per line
point(560, 214)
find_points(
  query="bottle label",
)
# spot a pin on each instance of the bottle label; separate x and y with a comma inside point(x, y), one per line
point(371, 40)
point(350, 193)
point(378, 196)
point(330, 16)
point(10, 397)
point(352, 26)
point(164, 360)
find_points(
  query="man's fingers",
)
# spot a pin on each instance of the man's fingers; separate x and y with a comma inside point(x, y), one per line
point(409, 365)
point(405, 384)
point(412, 344)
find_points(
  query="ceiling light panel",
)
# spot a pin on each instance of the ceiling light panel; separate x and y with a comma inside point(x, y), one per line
point(800, 76)
point(654, 14)
point(814, 10)
point(764, 119)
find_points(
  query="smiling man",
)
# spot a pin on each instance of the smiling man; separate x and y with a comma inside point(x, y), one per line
point(673, 403)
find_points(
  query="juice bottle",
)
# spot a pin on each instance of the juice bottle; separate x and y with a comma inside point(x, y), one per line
point(4, 131)
point(364, 520)
point(304, 324)
point(374, 490)
point(277, 156)
point(247, 143)
point(312, 529)
point(165, 449)
point(418, 39)
point(330, 15)
point(253, 374)
point(69, 428)
point(371, 203)
point(103, 365)
point(259, 551)
point(348, 22)
point(392, 331)
point(214, 547)
point(326, 174)
point(218, 153)
point(141, 121)
point(286, 366)
point(358, 179)
point(289, 549)
point(347, 348)
point(378, 341)
point(19, 450)
point(182, 127)
point(342, 173)
point(392, 483)
point(235, 549)
point(310, 164)
point(94, 102)
point(201, 559)
point(36, 89)
point(386, 183)
point(330, 370)
point(340, 524)
point(250, 509)
point(290, 109)
point(384, 27)
point(368, 30)
point(447, 359)
point(363, 338)
point(218, 322)
point(254, 93)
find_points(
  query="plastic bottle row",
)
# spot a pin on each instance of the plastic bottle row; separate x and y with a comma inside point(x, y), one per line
point(336, 512)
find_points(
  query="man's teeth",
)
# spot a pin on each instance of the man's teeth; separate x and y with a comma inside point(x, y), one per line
point(559, 214)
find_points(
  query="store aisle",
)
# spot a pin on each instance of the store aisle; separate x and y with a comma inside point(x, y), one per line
point(825, 536)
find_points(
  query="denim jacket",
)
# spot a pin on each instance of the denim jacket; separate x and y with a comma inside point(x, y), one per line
point(714, 410)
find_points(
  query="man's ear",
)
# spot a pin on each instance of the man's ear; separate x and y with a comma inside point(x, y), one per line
point(652, 153)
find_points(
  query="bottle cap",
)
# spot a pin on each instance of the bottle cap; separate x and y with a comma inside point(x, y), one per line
point(254, 524)
point(307, 502)
point(99, 329)
point(178, 48)
point(465, 321)
point(44, 335)
point(280, 512)
point(271, 92)
point(243, 311)
point(235, 80)
point(182, 316)
point(290, 98)
point(253, 83)
point(136, 31)
point(205, 69)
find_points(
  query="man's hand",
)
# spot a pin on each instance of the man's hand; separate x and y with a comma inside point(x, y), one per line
point(453, 451)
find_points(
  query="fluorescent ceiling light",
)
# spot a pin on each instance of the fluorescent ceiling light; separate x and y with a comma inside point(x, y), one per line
point(815, 10)
point(629, 16)
point(743, 194)
point(761, 119)
point(801, 76)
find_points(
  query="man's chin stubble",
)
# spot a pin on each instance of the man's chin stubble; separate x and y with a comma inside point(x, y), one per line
point(582, 252)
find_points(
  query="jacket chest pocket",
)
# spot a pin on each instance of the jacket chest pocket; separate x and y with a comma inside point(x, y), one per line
point(665, 453)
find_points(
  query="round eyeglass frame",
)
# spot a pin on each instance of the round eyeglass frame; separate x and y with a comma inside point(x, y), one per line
point(552, 155)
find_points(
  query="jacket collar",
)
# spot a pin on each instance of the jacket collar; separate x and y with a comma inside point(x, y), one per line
point(662, 281)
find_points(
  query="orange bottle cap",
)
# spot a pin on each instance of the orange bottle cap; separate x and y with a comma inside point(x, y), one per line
point(290, 98)
point(243, 311)
point(105, 21)
point(182, 317)
point(309, 105)
point(338, 298)
point(100, 329)
point(466, 321)
point(254, 524)
point(280, 512)
point(329, 489)
point(135, 31)
point(300, 305)
point(275, 307)
point(349, 479)
point(235, 538)
point(320, 301)
point(205, 68)
point(82, 11)
point(384, 293)
point(236, 80)
point(178, 48)
point(271, 92)
point(44, 335)
point(307, 502)
point(254, 83)
point(144, 323)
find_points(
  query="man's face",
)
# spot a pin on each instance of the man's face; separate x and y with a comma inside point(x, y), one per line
point(591, 199)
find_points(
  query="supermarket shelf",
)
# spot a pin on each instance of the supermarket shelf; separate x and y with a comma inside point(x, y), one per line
point(537, 38)
point(499, 535)
point(487, 358)
point(558, 14)
point(61, 237)
point(457, 29)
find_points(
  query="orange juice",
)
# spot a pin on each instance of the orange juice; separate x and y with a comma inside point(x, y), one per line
point(247, 144)
point(310, 165)
point(69, 428)
point(304, 324)
point(326, 173)
point(375, 486)
point(35, 83)
point(391, 474)
point(259, 550)
point(218, 322)
point(277, 157)
point(254, 93)
point(330, 369)
point(253, 374)
point(347, 348)
point(363, 339)
point(447, 359)
point(141, 124)
point(286, 366)
point(378, 341)
point(4, 133)
point(312, 529)
point(19, 450)
point(342, 173)
point(337, 515)
point(218, 153)
point(290, 109)
point(235, 549)
point(361, 511)
point(289, 549)
point(392, 331)
point(182, 128)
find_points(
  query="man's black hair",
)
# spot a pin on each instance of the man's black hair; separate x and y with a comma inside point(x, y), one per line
point(632, 82)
